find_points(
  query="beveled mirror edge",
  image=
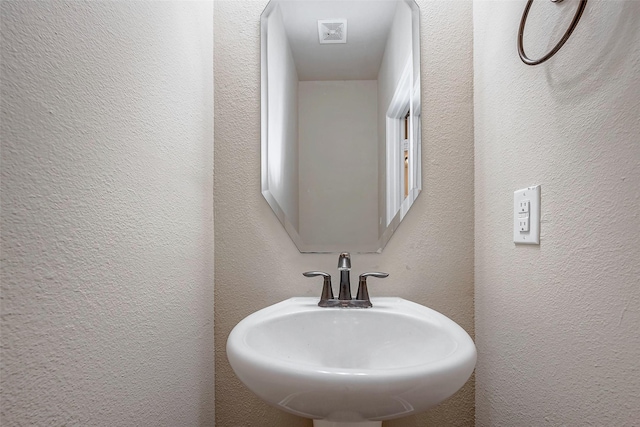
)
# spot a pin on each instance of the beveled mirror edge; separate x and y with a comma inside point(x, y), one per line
point(267, 194)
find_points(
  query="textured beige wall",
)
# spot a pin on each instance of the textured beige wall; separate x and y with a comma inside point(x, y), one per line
point(107, 214)
point(557, 324)
point(430, 258)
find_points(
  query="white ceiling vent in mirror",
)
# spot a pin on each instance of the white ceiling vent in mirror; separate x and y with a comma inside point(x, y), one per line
point(332, 31)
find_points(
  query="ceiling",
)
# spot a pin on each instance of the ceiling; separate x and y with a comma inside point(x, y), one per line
point(368, 24)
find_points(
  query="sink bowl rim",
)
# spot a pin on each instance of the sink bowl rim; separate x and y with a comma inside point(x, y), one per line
point(463, 353)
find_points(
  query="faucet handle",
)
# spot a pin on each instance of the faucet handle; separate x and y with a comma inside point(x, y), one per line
point(377, 274)
point(326, 299)
point(363, 293)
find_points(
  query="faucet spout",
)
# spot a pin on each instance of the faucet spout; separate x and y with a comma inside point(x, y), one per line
point(344, 266)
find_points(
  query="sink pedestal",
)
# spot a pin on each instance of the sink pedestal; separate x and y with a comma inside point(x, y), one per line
point(323, 423)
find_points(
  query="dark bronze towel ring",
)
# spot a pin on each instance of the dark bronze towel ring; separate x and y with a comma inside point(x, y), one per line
point(564, 38)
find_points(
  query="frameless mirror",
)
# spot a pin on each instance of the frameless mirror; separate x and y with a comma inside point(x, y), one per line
point(340, 99)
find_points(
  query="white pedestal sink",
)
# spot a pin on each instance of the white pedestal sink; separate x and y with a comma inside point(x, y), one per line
point(349, 365)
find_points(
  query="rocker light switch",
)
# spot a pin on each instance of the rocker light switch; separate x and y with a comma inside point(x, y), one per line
point(526, 216)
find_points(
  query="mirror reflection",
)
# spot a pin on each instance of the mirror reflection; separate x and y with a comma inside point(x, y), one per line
point(340, 86)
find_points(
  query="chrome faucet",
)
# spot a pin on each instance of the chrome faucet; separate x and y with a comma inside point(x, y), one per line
point(344, 297)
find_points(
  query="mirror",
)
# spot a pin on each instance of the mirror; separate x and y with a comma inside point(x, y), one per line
point(340, 118)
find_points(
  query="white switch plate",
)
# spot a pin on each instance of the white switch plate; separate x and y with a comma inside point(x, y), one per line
point(526, 216)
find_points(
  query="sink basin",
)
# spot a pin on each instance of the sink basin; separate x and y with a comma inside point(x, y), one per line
point(348, 365)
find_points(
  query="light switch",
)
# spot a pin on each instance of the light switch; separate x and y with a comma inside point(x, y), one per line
point(526, 215)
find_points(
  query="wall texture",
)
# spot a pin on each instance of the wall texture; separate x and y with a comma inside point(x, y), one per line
point(107, 214)
point(430, 257)
point(557, 324)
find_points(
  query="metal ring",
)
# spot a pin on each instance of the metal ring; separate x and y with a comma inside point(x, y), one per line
point(564, 38)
